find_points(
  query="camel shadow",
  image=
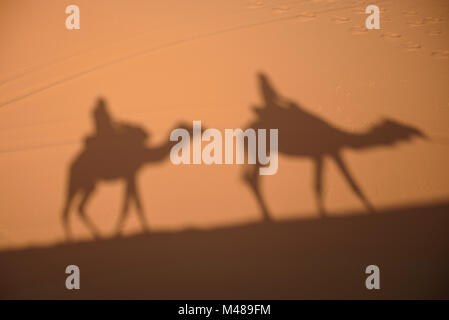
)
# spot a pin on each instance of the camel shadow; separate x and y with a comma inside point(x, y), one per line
point(116, 151)
point(304, 134)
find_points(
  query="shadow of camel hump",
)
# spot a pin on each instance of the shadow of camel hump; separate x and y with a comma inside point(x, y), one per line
point(303, 134)
point(115, 151)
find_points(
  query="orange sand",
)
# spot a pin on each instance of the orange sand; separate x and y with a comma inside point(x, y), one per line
point(159, 62)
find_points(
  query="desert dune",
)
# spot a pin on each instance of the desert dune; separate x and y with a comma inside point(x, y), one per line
point(160, 63)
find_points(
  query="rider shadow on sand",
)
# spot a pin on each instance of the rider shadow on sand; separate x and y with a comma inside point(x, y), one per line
point(304, 134)
point(115, 151)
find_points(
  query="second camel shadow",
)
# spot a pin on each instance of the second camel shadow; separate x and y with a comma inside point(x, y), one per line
point(304, 134)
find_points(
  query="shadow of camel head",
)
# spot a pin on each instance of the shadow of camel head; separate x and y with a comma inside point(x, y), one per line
point(390, 132)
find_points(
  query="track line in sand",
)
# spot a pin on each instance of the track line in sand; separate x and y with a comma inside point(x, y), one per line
point(166, 46)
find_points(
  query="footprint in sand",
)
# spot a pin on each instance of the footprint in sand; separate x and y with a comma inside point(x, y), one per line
point(432, 20)
point(390, 36)
point(306, 16)
point(341, 91)
point(423, 21)
point(416, 23)
point(440, 54)
point(434, 33)
point(281, 9)
point(358, 11)
point(341, 20)
point(411, 46)
point(357, 30)
point(409, 13)
point(255, 4)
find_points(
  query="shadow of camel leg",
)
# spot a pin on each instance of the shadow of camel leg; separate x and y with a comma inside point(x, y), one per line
point(82, 212)
point(319, 186)
point(66, 211)
point(353, 184)
point(65, 222)
point(135, 195)
point(251, 176)
point(124, 212)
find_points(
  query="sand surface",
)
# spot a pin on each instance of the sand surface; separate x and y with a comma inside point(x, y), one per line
point(160, 62)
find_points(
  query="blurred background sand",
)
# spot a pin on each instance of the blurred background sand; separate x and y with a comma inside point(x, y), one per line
point(159, 62)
